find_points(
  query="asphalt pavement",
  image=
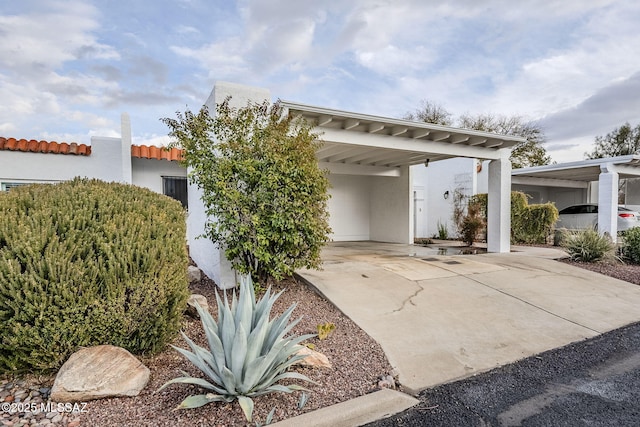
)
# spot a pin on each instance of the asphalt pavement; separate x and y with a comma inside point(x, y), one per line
point(595, 382)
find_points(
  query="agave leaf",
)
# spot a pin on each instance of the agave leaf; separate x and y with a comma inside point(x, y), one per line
point(247, 407)
point(256, 339)
point(227, 331)
point(217, 351)
point(238, 352)
point(261, 306)
point(269, 419)
point(206, 319)
point(198, 400)
point(191, 380)
point(244, 309)
point(276, 327)
point(253, 374)
point(228, 380)
point(197, 357)
point(293, 375)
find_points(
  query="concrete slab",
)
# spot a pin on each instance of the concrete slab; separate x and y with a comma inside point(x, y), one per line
point(355, 412)
point(439, 320)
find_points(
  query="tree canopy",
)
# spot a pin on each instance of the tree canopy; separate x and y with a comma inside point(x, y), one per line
point(261, 182)
point(529, 153)
point(622, 141)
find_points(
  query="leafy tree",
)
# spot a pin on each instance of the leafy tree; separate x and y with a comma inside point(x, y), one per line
point(261, 182)
point(528, 153)
point(430, 112)
point(623, 141)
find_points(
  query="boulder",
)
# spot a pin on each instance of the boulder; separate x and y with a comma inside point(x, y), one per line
point(191, 304)
point(312, 358)
point(194, 274)
point(98, 372)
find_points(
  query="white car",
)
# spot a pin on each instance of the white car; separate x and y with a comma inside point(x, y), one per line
point(579, 217)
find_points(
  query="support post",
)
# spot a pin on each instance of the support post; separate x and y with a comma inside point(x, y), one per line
point(499, 205)
point(608, 201)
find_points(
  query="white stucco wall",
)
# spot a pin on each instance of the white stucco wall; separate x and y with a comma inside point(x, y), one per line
point(148, 173)
point(349, 207)
point(391, 208)
point(104, 163)
point(209, 257)
point(437, 179)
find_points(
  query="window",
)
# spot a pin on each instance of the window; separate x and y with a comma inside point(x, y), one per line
point(175, 187)
point(6, 186)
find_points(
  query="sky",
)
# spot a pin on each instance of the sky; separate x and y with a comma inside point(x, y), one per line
point(68, 69)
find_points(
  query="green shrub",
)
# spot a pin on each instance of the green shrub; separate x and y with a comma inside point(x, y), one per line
point(472, 223)
point(529, 223)
point(84, 263)
point(589, 246)
point(631, 248)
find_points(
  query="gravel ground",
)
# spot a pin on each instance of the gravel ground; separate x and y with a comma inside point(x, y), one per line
point(626, 272)
point(357, 361)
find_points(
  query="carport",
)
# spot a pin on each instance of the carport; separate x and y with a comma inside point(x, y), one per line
point(368, 159)
point(582, 176)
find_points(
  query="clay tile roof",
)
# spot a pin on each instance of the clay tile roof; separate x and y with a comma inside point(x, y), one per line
point(12, 144)
point(157, 153)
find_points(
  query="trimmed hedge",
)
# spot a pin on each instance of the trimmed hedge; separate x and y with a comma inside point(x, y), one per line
point(84, 263)
point(529, 223)
point(631, 248)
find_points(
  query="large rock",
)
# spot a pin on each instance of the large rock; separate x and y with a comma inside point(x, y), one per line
point(194, 274)
point(312, 358)
point(98, 372)
point(191, 304)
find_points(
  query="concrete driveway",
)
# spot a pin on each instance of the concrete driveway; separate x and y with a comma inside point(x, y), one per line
point(442, 318)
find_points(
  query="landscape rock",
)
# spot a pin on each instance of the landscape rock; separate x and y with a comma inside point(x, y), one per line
point(98, 372)
point(312, 358)
point(194, 274)
point(191, 304)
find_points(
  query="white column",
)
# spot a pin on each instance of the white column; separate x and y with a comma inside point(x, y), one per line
point(499, 206)
point(608, 201)
point(125, 141)
point(208, 256)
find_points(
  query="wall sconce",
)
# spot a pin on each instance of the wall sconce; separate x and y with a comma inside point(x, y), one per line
point(426, 163)
point(446, 195)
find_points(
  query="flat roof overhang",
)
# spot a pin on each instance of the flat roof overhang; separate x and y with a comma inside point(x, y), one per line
point(381, 142)
point(576, 174)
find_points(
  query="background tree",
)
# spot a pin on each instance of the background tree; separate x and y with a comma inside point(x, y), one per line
point(622, 141)
point(528, 153)
point(430, 112)
point(261, 182)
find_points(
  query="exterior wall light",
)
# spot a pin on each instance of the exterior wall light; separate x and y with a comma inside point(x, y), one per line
point(446, 195)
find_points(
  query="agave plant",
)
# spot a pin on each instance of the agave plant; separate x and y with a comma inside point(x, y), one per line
point(248, 353)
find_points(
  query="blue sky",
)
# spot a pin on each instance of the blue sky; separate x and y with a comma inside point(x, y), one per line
point(70, 68)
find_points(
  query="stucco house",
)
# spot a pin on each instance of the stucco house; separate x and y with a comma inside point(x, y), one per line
point(109, 159)
point(371, 161)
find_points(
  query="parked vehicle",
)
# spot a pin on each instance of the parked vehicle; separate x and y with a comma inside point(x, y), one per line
point(580, 217)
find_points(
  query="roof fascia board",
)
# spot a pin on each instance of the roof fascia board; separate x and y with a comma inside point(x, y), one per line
point(426, 146)
point(396, 122)
point(548, 182)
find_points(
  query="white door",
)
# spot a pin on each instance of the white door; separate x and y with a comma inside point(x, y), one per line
point(419, 214)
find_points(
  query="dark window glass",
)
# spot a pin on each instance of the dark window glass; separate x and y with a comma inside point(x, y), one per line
point(175, 187)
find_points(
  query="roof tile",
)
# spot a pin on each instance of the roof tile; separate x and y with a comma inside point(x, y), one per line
point(12, 144)
point(139, 151)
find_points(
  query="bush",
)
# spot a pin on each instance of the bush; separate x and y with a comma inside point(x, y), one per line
point(260, 179)
point(589, 246)
point(631, 248)
point(85, 263)
point(529, 223)
point(472, 223)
